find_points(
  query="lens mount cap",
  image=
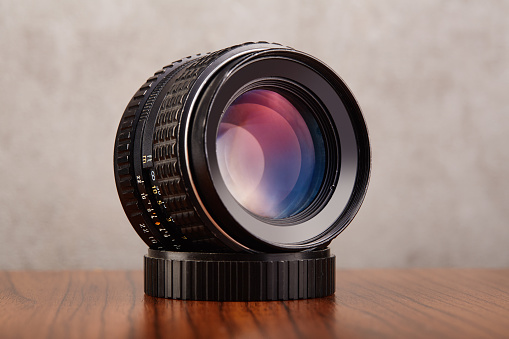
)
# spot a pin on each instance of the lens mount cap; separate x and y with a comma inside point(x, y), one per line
point(239, 276)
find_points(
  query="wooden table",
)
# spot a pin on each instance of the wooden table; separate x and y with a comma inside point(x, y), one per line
point(427, 303)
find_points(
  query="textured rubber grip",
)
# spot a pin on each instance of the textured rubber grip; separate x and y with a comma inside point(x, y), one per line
point(239, 277)
point(166, 163)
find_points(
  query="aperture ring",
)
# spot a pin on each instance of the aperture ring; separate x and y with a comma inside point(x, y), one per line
point(123, 160)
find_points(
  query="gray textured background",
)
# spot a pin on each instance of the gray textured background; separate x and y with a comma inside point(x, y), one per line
point(432, 78)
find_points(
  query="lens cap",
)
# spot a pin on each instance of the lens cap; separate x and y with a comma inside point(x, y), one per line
point(239, 277)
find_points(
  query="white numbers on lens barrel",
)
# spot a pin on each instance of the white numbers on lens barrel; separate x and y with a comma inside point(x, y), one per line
point(144, 228)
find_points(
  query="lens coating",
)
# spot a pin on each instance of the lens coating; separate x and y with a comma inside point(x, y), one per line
point(270, 153)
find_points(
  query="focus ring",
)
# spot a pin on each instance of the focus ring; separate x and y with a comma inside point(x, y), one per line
point(230, 277)
point(166, 162)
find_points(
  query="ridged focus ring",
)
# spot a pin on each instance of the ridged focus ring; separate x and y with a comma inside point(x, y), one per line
point(234, 277)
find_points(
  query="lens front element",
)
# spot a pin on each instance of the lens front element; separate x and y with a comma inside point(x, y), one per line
point(270, 153)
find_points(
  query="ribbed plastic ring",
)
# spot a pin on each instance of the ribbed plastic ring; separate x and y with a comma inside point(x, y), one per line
point(239, 276)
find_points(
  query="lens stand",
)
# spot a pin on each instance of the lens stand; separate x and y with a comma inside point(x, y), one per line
point(239, 276)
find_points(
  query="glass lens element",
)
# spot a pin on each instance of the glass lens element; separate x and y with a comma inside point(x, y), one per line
point(271, 155)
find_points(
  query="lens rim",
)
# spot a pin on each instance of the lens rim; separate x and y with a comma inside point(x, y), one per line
point(348, 129)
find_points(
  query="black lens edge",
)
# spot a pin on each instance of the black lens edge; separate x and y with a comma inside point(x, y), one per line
point(208, 187)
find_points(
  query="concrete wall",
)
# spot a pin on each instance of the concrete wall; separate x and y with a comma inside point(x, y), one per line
point(431, 76)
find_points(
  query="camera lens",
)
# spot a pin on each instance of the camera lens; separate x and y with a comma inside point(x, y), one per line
point(254, 148)
point(271, 160)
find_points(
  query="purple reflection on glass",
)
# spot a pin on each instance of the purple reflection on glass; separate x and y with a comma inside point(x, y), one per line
point(266, 154)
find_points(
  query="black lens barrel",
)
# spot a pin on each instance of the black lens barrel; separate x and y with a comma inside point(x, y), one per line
point(165, 159)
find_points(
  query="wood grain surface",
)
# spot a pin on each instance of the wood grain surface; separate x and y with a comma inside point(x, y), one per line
point(417, 303)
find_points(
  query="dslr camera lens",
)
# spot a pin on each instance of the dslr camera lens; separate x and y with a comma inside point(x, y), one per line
point(256, 148)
